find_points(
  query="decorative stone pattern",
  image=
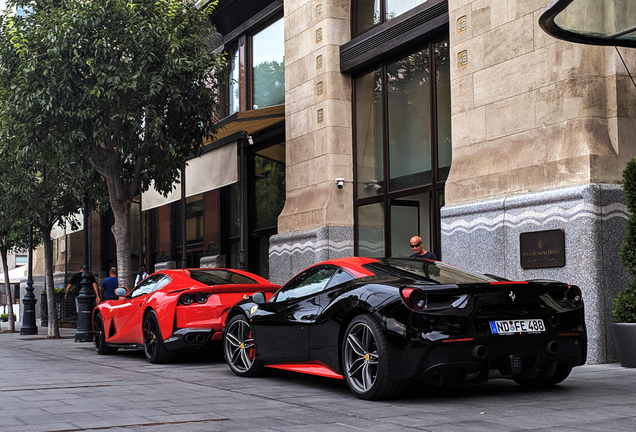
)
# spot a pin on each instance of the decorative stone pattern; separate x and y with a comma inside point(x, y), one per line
point(319, 35)
point(462, 59)
point(321, 115)
point(319, 88)
point(318, 62)
point(291, 253)
point(484, 237)
point(462, 24)
point(319, 11)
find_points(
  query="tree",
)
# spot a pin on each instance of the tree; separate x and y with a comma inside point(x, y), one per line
point(130, 86)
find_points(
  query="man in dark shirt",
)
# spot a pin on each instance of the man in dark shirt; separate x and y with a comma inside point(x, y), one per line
point(110, 284)
point(418, 247)
point(76, 284)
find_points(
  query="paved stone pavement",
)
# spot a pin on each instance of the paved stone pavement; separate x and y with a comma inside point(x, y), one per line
point(60, 385)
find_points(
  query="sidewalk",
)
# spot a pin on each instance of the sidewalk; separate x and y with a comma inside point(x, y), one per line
point(63, 386)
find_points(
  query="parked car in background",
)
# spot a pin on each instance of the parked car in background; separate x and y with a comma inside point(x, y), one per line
point(382, 323)
point(173, 311)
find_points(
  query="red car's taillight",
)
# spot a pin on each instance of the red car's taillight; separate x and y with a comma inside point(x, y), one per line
point(414, 298)
point(188, 299)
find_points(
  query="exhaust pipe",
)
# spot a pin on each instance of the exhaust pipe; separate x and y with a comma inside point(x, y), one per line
point(201, 338)
point(480, 352)
point(552, 347)
point(189, 338)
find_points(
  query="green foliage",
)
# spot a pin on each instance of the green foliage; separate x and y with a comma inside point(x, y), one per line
point(269, 84)
point(127, 86)
point(624, 305)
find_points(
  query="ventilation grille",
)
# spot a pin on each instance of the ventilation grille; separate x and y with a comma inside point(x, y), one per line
point(395, 31)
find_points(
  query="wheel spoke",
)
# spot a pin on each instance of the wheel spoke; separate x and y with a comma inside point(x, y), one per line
point(232, 340)
point(358, 364)
point(367, 381)
point(246, 359)
point(355, 345)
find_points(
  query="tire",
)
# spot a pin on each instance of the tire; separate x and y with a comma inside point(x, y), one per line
point(367, 363)
point(156, 351)
point(561, 373)
point(99, 338)
point(239, 348)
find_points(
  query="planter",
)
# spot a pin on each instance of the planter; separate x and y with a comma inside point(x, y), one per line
point(625, 338)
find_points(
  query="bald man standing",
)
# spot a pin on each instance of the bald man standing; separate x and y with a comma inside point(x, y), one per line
point(418, 247)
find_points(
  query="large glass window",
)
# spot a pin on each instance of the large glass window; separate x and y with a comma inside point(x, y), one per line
point(368, 13)
point(234, 85)
point(268, 66)
point(402, 133)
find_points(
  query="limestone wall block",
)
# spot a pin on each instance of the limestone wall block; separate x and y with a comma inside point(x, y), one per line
point(541, 38)
point(457, 4)
point(334, 140)
point(300, 97)
point(510, 116)
point(475, 51)
point(301, 149)
point(453, 16)
point(297, 21)
point(569, 59)
point(508, 41)
point(504, 80)
point(468, 128)
point(577, 97)
point(299, 123)
point(488, 14)
point(336, 113)
point(462, 94)
point(519, 8)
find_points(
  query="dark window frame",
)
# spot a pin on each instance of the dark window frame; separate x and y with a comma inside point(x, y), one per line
point(435, 189)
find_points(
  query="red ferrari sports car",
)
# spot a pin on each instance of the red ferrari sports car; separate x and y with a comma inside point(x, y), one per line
point(173, 311)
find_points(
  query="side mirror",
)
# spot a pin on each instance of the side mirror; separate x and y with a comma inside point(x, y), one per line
point(258, 298)
point(121, 292)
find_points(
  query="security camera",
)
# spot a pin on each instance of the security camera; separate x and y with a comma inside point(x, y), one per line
point(340, 182)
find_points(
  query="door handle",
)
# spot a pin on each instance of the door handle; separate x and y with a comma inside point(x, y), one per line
point(139, 304)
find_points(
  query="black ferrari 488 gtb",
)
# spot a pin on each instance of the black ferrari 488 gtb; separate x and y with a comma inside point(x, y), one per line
point(382, 323)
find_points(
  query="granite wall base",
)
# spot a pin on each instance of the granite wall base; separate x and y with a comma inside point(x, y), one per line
point(484, 237)
point(292, 252)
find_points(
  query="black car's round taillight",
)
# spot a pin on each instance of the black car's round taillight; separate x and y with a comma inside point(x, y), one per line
point(186, 299)
point(415, 298)
point(574, 294)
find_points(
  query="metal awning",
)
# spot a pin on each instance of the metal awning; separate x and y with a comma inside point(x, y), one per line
point(595, 22)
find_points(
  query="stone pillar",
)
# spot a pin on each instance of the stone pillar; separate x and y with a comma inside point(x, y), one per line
point(541, 130)
point(317, 221)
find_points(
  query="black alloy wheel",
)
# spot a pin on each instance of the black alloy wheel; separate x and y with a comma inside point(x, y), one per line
point(156, 351)
point(99, 337)
point(239, 347)
point(365, 357)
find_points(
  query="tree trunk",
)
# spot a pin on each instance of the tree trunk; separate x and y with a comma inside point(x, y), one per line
point(53, 329)
point(7, 284)
point(121, 230)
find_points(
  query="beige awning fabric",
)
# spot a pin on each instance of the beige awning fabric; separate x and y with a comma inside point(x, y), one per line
point(219, 167)
point(15, 275)
point(152, 199)
point(212, 170)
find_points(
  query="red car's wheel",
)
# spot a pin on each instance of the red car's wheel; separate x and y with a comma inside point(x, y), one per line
point(156, 351)
point(239, 347)
point(99, 338)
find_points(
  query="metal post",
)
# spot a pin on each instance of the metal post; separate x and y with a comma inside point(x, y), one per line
point(241, 260)
point(184, 257)
point(140, 269)
point(29, 301)
point(86, 297)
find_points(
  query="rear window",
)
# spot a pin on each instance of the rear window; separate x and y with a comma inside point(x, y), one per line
point(219, 277)
point(432, 272)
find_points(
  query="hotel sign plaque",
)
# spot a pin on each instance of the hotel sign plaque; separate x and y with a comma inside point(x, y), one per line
point(542, 249)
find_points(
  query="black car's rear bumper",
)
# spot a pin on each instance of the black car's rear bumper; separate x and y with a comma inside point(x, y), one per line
point(475, 360)
point(190, 340)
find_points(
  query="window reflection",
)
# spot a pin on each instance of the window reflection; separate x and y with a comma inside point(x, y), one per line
point(268, 66)
point(371, 230)
point(234, 87)
point(395, 8)
point(442, 81)
point(369, 134)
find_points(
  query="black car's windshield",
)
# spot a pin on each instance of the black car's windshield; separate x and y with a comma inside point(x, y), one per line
point(433, 272)
point(219, 277)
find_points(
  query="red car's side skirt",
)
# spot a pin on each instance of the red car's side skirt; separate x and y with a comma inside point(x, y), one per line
point(311, 368)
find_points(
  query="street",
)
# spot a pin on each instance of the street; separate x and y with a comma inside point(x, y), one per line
point(60, 385)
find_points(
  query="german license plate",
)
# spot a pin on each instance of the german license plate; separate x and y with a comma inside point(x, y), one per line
point(521, 326)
